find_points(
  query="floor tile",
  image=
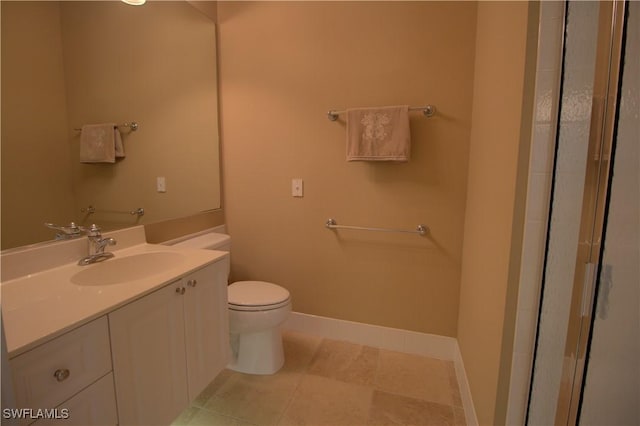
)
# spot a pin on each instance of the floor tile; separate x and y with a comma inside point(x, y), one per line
point(389, 409)
point(330, 382)
point(186, 416)
point(321, 401)
point(456, 399)
point(252, 398)
point(414, 376)
point(344, 361)
point(195, 416)
point(208, 418)
point(298, 350)
point(459, 416)
point(212, 388)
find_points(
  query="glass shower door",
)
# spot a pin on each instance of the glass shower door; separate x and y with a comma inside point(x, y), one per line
point(611, 393)
point(587, 360)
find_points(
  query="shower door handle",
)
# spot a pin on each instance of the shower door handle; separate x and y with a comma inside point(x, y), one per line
point(588, 288)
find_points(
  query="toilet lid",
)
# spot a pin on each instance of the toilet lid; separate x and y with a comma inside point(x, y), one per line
point(256, 293)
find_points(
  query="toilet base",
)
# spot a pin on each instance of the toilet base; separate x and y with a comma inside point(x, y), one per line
point(257, 353)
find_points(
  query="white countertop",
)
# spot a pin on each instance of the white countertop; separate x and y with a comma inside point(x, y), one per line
point(42, 305)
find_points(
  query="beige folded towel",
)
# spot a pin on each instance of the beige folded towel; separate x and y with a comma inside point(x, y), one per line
point(378, 134)
point(100, 143)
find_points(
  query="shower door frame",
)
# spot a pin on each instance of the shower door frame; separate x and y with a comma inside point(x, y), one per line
point(595, 202)
point(604, 112)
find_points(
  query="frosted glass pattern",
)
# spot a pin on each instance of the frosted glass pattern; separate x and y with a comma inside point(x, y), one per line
point(564, 227)
point(612, 385)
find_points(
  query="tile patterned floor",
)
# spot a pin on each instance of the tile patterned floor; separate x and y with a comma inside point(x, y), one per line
point(329, 382)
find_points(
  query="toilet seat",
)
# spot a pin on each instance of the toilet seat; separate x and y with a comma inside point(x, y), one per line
point(257, 296)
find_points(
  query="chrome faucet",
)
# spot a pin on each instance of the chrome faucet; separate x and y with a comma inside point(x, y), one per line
point(97, 245)
point(66, 232)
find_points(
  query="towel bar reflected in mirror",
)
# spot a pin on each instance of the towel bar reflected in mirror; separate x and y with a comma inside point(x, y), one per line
point(91, 210)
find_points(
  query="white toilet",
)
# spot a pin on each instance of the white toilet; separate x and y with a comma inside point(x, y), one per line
point(256, 311)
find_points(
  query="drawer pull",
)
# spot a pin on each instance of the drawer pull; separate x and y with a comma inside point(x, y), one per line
point(192, 283)
point(180, 290)
point(62, 374)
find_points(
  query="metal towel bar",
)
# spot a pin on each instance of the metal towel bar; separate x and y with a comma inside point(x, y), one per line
point(420, 229)
point(89, 210)
point(427, 110)
point(132, 125)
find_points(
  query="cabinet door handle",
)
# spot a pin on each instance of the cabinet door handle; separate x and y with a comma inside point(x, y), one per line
point(62, 374)
point(180, 290)
point(192, 283)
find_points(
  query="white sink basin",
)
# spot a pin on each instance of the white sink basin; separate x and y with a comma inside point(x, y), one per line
point(128, 268)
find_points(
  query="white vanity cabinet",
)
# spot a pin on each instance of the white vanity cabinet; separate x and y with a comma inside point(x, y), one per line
point(71, 373)
point(167, 346)
point(206, 325)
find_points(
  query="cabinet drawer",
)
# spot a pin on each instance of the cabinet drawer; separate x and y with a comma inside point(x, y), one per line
point(96, 405)
point(51, 373)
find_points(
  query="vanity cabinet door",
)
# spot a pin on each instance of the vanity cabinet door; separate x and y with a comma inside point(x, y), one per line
point(148, 349)
point(206, 324)
point(53, 372)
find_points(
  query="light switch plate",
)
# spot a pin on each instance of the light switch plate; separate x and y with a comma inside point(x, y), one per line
point(161, 184)
point(297, 187)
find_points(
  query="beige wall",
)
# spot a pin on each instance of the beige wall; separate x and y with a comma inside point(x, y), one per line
point(282, 66)
point(36, 175)
point(494, 210)
point(208, 8)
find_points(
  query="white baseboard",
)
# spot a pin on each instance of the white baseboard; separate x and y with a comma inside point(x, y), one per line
point(465, 390)
point(394, 339)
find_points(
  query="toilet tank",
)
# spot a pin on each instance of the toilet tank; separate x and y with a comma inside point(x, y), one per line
point(208, 241)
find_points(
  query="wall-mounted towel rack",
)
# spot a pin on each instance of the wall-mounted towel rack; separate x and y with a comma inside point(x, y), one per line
point(420, 229)
point(91, 210)
point(133, 125)
point(427, 110)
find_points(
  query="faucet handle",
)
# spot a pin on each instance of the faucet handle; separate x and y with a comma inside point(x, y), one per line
point(93, 231)
point(71, 229)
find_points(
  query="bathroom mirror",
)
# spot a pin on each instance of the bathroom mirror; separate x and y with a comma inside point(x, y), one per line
point(70, 63)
